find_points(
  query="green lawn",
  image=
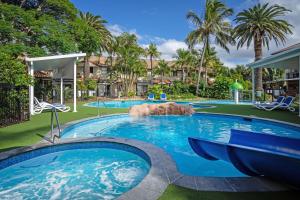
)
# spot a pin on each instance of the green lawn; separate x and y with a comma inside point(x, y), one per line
point(247, 110)
point(174, 192)
point(30, 132)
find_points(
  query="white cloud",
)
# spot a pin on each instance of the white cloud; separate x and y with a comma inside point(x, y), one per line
point(117, 30)
point(168, 48)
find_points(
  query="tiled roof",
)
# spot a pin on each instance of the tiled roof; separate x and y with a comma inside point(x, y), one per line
point(287, 48)
point(42, 74)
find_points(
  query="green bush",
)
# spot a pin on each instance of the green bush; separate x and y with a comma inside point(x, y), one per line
point(156, 90)
point(131, 93)
point(220, 89)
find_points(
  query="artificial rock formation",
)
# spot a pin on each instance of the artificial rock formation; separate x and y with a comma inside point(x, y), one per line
point(169, 108)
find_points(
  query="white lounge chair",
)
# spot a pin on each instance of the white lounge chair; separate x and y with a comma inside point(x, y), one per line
point(39, 107)
point(270, 105)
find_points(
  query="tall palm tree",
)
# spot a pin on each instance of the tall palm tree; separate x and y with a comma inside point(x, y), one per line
point(98, 23)
point(152, 52)
point(162, 69)
point(260, 25)
point(212, 26)
point(183, 59)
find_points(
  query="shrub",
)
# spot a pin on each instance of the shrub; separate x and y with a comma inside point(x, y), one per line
point(156, 90)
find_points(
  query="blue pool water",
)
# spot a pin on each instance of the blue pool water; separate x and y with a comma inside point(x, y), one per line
point(127, 104)
point(90, 172)
point(171, 133)
point(227, 102)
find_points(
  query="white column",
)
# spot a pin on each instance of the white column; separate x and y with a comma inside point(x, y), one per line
point(253, 85)
point(74, 86)
point(61, 90)
point(31, 89)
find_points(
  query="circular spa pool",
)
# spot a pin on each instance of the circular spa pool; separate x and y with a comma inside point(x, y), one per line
point(171, 133)
point(92, 170)
point(129, 103)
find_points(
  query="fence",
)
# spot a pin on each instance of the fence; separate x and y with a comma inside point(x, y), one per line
point(14, 106)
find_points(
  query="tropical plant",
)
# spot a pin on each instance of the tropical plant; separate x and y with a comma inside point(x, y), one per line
point(214, 25)
point(162, 69)
point(183, 61)
point(99, 35)
point(152, 52)
point(260, 25)
point(128, 65)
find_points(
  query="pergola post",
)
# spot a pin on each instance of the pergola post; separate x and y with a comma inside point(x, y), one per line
point(31, 89)
point(253, 85)
point(74, 86)
point(61, 90)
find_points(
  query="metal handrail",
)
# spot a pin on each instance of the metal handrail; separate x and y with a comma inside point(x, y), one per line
point(54, 112)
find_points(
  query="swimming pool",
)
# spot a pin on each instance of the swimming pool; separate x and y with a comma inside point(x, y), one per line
point(93, 170)
point(171, 133)
point(129, 103)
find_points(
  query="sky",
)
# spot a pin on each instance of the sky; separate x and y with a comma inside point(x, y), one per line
point(164, 23)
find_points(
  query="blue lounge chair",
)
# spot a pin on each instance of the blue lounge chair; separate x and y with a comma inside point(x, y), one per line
point(255, 154)
point(151, 97)
point(163, 97)
point(287, 104)
point(272, 105)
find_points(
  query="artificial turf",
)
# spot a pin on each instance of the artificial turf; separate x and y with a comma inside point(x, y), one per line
point(174, 192)
point(32, 131)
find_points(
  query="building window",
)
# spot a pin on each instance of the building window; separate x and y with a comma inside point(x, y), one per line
point(91, 70)
point(174, 73)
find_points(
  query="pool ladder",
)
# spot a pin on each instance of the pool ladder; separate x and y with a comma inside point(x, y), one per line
point(98, 105)
point(53, 136)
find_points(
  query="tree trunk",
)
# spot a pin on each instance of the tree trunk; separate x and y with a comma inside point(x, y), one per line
point(86, 68)
point(151, 67)
point(205, 75)
point(200, 67)
point(258, 56)
point(182, 71)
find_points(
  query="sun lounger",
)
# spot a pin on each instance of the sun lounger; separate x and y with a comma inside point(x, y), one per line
point(278, 101)
point(39, 107)
point(151, 97)
point(163, 97)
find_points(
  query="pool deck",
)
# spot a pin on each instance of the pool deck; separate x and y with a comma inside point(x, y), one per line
point(164, 171)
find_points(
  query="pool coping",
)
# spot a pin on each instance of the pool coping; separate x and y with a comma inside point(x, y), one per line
point(163, 169)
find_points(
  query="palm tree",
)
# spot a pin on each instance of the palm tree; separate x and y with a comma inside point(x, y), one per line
point(183, 59)
point(96, 22)
point(213, 26)
point(260, 25)
point(162, 69)
point(152, 52)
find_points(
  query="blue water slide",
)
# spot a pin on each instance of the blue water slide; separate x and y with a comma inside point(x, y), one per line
point(256, 154)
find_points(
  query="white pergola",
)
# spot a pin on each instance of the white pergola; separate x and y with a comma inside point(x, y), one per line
point(288, 58)
point(63, 66)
